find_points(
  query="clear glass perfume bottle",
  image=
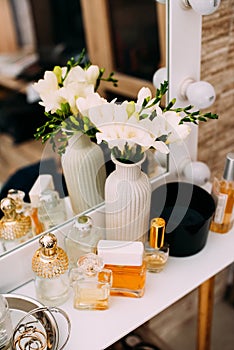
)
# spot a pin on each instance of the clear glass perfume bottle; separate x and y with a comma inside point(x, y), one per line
point(6, 327)
point(91, 283)
point(50, 265)
point(125, 260)
point(51, 209)
point(81, 239)
point(15, 227)
point(156, 252)
point(223, 192)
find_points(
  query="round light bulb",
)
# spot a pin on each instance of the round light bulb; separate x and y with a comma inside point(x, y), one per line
point(200, 94)
point(197, 173)
point(159, 77)
point(203, 7)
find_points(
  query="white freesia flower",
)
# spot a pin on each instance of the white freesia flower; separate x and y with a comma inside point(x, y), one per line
point(84, 104)
point(176, 132)
point(48, 90)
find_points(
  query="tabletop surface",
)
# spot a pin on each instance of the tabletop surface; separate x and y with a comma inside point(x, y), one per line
point(96, 330)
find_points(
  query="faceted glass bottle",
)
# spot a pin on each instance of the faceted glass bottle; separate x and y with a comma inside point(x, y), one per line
point(223, 192)
point(125, 260)
point(156, 252)
point(50, 265)
point(91, 283)
point(81, 239)
point(6, 327)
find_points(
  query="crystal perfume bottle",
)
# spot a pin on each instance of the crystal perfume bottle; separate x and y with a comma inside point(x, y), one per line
point(81, 239)
point(15, 227)
point(91, 283)
point(51, 209)
point(156, 252)
point(6, 327)
point(50, 265)
point(223, 192)
point(125, 260)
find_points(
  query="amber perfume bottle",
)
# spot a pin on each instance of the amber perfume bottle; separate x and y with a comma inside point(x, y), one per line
point(125, 260)
point(91, 283)
point(50, 265)
point(156, 252)
point(223, 192)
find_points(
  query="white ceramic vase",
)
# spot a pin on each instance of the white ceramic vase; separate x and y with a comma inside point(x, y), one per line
point(84, 172)
point(127, 202)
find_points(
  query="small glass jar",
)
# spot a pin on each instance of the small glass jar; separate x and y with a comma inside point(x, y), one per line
point(91, 283)
point(125, 260)
point(156, 252)
point(81, 239)
point(50, 265)
point(6, 328)
point(51, 209)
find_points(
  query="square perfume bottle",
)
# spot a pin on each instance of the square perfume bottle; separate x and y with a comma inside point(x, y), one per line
point(91, 283)
point(126, 261)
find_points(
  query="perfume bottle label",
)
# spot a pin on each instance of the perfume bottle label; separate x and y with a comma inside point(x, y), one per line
point(220, 208)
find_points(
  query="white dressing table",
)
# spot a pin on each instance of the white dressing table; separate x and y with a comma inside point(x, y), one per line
point(96, 330)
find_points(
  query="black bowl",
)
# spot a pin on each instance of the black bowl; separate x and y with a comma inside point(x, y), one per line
point(187, 210)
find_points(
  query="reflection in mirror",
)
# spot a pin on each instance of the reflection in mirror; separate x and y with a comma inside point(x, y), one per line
point(134, 67)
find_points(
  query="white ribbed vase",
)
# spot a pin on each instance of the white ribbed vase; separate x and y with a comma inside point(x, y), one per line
point(84, 172)
point(127, 202)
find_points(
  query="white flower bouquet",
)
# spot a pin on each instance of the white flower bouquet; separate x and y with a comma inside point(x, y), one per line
point(72, 103)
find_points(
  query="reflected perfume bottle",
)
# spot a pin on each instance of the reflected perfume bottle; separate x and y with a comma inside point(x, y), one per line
point(125, 260)
point(91, 283)
point(50, 265)
point(156, 252)
point(81, 239)
point(223, 192)
point(51, 209)
point(15, 227)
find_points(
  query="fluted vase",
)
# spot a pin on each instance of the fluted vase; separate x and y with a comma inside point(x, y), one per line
point(84, 172)
point(127, 202)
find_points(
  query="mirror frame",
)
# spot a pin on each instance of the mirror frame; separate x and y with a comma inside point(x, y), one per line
point(177, 71)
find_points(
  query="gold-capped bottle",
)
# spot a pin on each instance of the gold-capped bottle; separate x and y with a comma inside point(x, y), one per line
point(50, 265)
point(223, 192)
point(156, 252)
point(15, 227)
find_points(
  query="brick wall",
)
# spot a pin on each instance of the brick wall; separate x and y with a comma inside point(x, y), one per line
point(216, 138)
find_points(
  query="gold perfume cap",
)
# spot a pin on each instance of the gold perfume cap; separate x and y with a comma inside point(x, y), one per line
point(50, 260)
point(157, 231)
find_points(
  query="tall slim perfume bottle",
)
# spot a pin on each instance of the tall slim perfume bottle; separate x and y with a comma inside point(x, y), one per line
point(91, 283)
point(50, 265)
point(125, 260)
point(156, 252)
point(81, 239)
point(223, 192)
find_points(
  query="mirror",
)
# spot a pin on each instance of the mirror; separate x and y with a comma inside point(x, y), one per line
point(108, 14)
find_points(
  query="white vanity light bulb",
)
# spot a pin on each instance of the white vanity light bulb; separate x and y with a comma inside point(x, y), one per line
point(159, 77)
point(203, 7)
point(197, 172)
point(200, 94)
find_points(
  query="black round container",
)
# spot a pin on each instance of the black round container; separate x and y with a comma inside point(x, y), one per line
point(187, 210)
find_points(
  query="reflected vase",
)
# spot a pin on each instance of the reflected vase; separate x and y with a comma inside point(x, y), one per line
point(127, 202)
point(84, 172)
